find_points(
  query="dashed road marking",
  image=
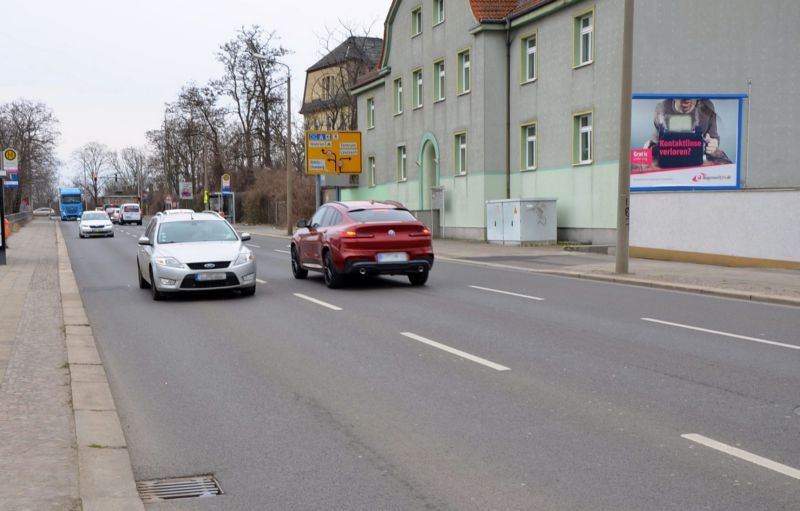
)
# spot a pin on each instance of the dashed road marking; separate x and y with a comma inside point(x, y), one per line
point(462, 354)
point(318, 302)
point(726, 334)
point(506, 293)
point(744, 455)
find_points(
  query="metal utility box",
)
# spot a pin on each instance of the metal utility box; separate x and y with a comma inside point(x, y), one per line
point(521, 221)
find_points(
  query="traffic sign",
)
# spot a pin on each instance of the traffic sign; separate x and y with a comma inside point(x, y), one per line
point(333, 152)
point(226, 183)
point(9, 162)
point(185, 190)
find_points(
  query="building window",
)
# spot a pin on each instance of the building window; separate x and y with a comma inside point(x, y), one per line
point(401, 163)
point(417, 91)
point(584, 32)
point(438, 80)
point(529, 59)
point(416, 21)
point(371, 171)
point(327, 87)
point(582, 136)
point(463, 72)
point(529, 147)
point(398, 96)
point(460, 145)
point(438, 11)
point(370, 113)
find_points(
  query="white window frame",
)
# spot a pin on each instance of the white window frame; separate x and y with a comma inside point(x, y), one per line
point(371, 171)
point(585, 39)
point(584, 136)
point(529, 58)
point(416, 21)
point(438, 12)
point(416, 79)
point(529, 147)
point(402, 168)
point(398, 95)
point(438, 81)
point(370, 113)
point(464, 70)
point(460, 153)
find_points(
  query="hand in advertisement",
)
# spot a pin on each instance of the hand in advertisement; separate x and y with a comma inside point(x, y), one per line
point(712, 144)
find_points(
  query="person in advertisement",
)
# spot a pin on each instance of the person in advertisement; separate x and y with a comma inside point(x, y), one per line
point(686, 134)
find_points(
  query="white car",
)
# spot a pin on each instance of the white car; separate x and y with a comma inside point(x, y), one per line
point(95, 223)
point(184, 252)
point(130, 214)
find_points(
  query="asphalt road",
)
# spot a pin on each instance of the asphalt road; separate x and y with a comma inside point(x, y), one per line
point(565, 394)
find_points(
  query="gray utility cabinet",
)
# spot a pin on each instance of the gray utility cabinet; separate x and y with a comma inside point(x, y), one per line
point(521, 221)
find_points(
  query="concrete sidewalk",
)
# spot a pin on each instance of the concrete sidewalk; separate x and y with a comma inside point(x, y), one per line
point(61, 444)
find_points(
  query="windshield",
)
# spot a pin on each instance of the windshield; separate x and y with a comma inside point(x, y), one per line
point(194, 230)
point(70, 199)
point(94, 215)
point(381, 215)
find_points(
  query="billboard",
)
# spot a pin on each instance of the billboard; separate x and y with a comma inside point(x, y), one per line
point(685, 142)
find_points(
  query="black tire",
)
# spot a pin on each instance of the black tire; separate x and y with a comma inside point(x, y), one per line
point(157, 295)
point(333, 278)
point(298, 271)
point(139, 222)
point(111, 235)
point(248, 291)
point(418, 279)
point(142, 283)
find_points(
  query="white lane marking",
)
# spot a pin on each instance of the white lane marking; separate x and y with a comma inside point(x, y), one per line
point(261, 281)
point(282, 251)
point(506, 293)
point(462, 354)
point(747, 456)
point(318, 302)
point(251, 245)
point(735, 336)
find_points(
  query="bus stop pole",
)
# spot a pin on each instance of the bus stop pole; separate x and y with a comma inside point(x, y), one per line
point(2, 223)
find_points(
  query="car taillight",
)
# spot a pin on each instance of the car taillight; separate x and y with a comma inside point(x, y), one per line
point(423, 232)
point(356, 234)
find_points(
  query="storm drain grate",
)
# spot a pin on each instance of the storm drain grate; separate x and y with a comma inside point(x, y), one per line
point(178, 488)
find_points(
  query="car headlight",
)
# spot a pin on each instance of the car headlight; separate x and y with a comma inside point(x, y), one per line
point(245, 256)
point(170, 262)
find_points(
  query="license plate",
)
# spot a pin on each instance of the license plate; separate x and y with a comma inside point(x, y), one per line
point(204, 277)
point(392, 257)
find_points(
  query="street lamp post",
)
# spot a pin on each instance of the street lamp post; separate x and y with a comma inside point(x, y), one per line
point(289, 224)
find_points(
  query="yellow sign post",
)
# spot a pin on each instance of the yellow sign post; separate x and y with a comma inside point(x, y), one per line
point(333, 152)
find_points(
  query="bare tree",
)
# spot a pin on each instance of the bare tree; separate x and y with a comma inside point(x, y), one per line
point(131, 170)
point(32, 129)
point(94, 162)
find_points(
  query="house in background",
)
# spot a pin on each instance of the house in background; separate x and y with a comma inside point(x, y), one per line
point(327, 102)
point(491, 100)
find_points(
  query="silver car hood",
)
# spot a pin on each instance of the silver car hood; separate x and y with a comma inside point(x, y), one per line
point(201, 251)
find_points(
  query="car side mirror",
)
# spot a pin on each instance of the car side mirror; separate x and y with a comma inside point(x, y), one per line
point(245, 236)
point(144, 240)
point(302, 224)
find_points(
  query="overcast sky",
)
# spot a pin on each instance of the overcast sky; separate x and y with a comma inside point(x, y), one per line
point(107, 67)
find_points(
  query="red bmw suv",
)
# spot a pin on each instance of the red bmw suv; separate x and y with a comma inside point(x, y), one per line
point(362, 238)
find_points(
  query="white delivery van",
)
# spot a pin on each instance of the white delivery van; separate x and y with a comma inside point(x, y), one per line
point(130, 214)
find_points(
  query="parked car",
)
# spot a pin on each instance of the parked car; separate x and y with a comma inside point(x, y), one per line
point(194, 252)
point(95, 223)
point(109, 209)
point(362, 238)
point(130, 214)
point(43, 212)
point(115, 216)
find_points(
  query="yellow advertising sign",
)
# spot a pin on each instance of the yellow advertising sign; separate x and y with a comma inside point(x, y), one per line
point(333, 152)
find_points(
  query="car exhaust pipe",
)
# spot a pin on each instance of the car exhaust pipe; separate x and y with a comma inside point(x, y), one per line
point(421, 269)
point(362, 271)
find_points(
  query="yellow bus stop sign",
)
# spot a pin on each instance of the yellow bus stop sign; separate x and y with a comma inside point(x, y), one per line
point(333, 152)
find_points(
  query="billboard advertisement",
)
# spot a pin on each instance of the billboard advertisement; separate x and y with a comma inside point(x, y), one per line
point(685, 142)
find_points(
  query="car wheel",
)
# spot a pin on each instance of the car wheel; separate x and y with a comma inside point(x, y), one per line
point(139, 223)
point(333, 278)
point(418, 279)
point(142, 283)
point(157, 295)
point(111, 235)
point(298, 271)
point(80, 235)
point(248, 291)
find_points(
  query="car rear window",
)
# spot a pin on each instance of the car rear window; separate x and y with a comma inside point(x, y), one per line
point(131, 209)
point(193, 230)
point(381, 215)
